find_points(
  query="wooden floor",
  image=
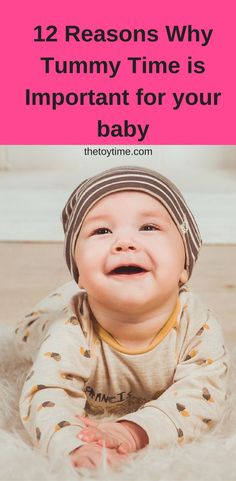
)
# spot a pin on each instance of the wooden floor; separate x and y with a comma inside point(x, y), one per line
point(30, 271)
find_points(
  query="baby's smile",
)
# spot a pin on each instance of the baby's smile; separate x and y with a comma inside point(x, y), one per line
point(128, 271)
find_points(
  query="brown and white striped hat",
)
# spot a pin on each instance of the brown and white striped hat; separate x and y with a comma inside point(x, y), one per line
point(118, 179)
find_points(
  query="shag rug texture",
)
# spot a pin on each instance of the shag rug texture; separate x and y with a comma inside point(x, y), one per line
point(211, 459)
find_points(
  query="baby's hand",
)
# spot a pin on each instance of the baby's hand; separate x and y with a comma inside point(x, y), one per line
point(126, 437)
point(90, 456)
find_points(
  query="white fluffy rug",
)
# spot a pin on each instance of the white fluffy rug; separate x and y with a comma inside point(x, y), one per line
point(212, 459)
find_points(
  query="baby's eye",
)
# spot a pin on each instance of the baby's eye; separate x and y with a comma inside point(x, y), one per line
point(149, 227)
point(101, 230)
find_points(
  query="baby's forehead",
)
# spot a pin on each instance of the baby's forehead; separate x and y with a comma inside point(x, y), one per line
point(136, 202)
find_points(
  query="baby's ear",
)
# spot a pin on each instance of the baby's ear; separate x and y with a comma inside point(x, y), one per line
point(183, 277)
point(80, 284)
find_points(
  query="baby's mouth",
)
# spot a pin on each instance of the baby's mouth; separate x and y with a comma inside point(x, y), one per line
point(127, 270)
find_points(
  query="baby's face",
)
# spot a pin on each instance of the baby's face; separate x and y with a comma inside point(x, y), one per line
point(129, 252)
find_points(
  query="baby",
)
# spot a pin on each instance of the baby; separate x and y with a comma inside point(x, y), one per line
point(134, 342)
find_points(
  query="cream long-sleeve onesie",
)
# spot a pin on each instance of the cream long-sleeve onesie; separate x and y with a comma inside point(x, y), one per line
point(175, 389)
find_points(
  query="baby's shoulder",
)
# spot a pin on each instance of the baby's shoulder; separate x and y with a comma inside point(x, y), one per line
point(194, 314)
point(61, 312)
point(60, 298)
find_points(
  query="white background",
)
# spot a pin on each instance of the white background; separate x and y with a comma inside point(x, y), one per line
point(35, 182)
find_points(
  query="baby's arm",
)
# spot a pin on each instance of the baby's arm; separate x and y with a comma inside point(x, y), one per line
point(53, 391)
point(195, 400)
point(192, 404)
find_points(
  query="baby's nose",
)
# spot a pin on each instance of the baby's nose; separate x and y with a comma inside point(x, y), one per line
point(124, 245)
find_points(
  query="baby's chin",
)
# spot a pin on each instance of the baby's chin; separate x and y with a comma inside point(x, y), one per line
point(130, 302)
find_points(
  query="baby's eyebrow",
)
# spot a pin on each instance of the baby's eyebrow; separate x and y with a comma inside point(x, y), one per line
point(95, 218)
point(156, 214)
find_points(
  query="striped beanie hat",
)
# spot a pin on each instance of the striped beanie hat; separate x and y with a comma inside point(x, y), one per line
point(118, 179)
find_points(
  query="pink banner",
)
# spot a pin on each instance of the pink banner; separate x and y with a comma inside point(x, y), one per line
point(118, 73)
